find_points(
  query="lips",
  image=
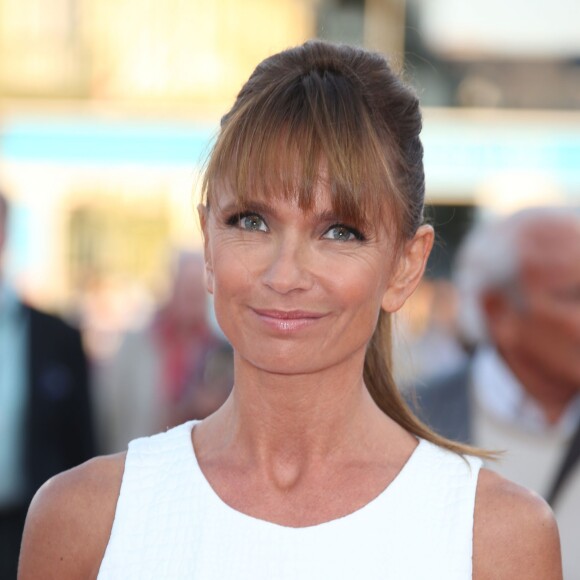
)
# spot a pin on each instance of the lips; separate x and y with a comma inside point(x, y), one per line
point(288, 320)
point(287, 314)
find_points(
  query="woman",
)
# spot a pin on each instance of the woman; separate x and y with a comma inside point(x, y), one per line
point(314, 467)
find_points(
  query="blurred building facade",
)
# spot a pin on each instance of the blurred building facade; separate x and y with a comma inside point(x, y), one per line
point(197, 52)
point(107, 109)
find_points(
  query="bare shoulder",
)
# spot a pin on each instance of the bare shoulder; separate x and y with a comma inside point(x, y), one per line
point(515, 533)
point(70, 519)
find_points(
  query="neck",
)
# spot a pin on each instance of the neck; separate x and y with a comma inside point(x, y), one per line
point(551, 393)
point(300, 416)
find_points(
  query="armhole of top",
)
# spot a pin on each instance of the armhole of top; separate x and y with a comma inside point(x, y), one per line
point(114, 520)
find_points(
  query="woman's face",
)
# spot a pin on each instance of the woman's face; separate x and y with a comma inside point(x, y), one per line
point(300, 291)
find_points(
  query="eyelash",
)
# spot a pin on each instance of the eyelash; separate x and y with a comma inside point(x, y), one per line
point(234, 221)
point(358, 236)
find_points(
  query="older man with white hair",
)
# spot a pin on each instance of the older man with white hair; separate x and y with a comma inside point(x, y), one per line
point(519, 279)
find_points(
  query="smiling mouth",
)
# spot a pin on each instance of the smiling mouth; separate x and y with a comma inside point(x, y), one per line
point(288, 314)
point(288, 320)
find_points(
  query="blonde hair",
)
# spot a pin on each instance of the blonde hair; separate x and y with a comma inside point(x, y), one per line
point(343, 109)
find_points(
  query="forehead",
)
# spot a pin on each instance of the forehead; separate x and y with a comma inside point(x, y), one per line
point(551, 253)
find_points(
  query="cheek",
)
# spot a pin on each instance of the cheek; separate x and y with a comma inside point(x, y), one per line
point(234, 281)
point(230, 273)
point(554, 343)
point(357, 291)
point(552, 332)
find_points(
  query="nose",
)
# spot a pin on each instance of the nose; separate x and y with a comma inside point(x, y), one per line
point(289, 266)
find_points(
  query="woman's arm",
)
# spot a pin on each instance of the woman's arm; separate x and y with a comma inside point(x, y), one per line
point(515, 533)
point(69, 522)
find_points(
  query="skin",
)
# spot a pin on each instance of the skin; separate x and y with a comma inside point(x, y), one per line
point(299, 441)
point(539, 335)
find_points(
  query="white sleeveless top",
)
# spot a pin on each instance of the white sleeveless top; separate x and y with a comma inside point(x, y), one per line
point(170, 524)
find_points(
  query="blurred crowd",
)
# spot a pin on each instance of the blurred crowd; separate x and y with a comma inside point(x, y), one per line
point(173, 368)
point(489, 357)
point(60, 407)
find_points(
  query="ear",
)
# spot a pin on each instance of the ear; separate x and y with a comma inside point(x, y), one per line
point(409, 269)
point(499, 315)
point(203, 213)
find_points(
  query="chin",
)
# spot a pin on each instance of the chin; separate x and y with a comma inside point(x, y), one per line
point(283, 364)
point(295, 360)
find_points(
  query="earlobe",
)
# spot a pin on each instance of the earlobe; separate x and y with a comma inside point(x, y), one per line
point(203, 213)
point(409, 270)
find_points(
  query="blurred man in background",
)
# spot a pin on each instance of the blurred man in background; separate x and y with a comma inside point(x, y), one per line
point(521, 391)
point(45, 415)
point(426, 344)
point(174, 369)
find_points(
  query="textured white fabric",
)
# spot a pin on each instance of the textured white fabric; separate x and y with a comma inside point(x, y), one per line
point(170, 524)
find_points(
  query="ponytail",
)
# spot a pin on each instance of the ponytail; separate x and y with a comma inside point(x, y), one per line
point(382, 388)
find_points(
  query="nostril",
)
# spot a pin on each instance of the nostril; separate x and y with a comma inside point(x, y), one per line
point(288, 271)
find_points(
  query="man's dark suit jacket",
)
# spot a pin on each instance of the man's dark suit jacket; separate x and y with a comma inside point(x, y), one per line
point(445, 405)
point(58, 423)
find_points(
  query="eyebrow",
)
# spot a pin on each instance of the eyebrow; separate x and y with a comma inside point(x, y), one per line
point(240, 207)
